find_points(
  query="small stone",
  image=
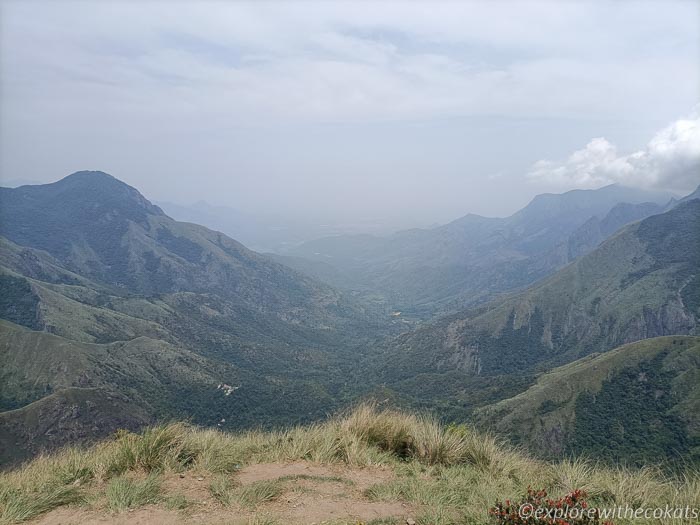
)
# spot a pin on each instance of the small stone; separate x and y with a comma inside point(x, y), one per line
point(410, 521)
point(182, 476)
point(200, 479)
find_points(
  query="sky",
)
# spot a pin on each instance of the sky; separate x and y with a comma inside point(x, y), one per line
point(411, 113)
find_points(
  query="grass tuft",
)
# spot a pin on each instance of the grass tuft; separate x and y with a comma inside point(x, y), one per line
point(17, 506)
point(451, 475)
point(156, 448)
point(257, 493)
point(125, 492)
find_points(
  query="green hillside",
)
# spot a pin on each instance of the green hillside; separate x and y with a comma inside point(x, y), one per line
point(75, 416)
point(117, 297)
point(99, 228)
point(36, 364)
point(639, 403)
point(640, 283)
point(132, 305)
point(155, 380)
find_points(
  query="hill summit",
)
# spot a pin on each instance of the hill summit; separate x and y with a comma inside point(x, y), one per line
point(367, 466)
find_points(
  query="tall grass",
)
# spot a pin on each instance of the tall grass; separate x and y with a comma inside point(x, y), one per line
point(126, 492)
point(17, 505)
point(166, 446)
point(450, 473)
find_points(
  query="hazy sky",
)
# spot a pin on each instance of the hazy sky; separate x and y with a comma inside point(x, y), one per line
point(419, 110)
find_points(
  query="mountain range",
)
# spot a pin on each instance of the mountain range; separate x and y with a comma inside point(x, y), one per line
point(114, 315)
point(642, 282)
point(425, 272)
point(99, 285)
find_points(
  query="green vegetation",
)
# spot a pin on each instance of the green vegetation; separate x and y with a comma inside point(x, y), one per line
point(125, 492)
point(18, 303)
point(631, 418)
point(22, 505)
point(448, 476)
point(625, 290)
point(137, 318)
point(637, 404)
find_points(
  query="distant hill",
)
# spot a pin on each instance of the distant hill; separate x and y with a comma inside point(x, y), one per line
point(118, 297)
point(639, 404)
point(113, 311)
point(104, 230)
point(271, 232)
point(642, 282)
point(473, 258)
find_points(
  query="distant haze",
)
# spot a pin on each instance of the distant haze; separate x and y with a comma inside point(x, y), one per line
point(390, 113)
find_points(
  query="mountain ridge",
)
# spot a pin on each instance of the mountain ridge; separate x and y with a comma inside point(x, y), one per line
point(473, 258)
point(90, 261)
point(642, 282)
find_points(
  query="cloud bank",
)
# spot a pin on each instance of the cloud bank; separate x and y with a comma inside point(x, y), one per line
point(670, 160)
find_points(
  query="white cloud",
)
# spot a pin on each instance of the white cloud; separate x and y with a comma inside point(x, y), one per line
point(670, 160)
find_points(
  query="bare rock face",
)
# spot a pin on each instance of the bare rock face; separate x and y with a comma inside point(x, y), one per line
point(671, 318)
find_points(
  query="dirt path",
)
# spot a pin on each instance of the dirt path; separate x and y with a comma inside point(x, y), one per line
point(310, 494)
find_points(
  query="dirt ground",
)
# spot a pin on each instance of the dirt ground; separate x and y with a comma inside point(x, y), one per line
point(313, 494)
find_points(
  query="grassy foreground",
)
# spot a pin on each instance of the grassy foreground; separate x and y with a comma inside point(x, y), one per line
point(447, 475)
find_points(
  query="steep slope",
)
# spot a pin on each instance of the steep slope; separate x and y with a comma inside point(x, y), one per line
point(150, 379)
point(74, 416)
point(103, 229)
point(153, 373)
point(638, 403)
point(472, 258)
point(117, 297)
point(642, 282)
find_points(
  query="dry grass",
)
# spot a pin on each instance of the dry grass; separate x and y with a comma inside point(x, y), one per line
point(452, 474)
point(125, 492)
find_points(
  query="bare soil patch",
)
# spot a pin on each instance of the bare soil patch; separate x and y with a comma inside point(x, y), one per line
point(314, 494)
